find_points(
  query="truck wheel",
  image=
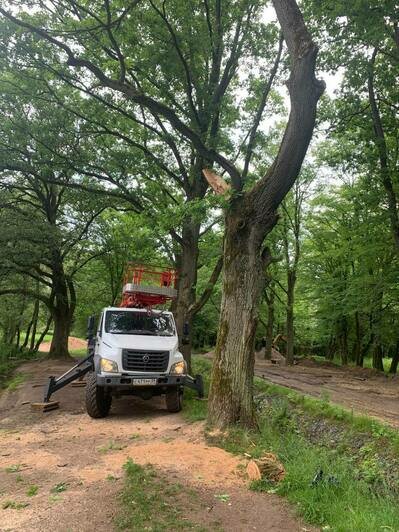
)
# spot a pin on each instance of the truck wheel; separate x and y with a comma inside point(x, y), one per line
point(173, 400)
point(98, 403)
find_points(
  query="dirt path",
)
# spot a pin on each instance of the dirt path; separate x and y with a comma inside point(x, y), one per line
point(362, 390)
point(73, 343)
point(65, 447)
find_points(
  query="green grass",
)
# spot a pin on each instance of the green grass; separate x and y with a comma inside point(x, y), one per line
point(360, 455)
point(13, 383)
point(111, 446)
point(152, 503)
point(193, 408)
point(32, 490)
point(14, 505)
point(367, 362)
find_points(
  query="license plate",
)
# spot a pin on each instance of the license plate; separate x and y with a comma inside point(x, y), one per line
point(144, 382)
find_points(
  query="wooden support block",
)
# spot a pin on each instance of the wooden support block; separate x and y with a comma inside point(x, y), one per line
point(78, 384)
point(45, 407)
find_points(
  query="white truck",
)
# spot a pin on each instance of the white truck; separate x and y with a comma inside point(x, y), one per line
point(136, 352)
point(135, 349)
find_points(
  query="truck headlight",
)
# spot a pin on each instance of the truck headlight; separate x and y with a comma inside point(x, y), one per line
point(179, 368)
point(109, 366)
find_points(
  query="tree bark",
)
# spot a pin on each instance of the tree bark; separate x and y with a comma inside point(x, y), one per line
point(395, 360)
point(377, 356)
point(187, 280)
point(383, 155)
point(62, 309)
point(62, 327)
point(358, 355)
point(269, 326)
point(343, 339)
point(35, 318)
point(291, 280)
point(231, 390)
point(43, 334)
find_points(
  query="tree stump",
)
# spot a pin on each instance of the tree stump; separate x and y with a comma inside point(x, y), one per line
point(268, 467)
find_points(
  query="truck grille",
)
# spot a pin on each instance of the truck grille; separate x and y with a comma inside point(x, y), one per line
point(152, 361)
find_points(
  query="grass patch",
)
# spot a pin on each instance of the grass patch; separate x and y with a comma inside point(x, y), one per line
point(325, 409)
point(13, 383)
point(59, 488)
point(32, 490)
point(358, 456)
point(195, 409)
point(111, 446)
point(78, 353)
point(10, 359)
point(14, 505)
point(151, 503)
point(14, 468)
point(367, 362)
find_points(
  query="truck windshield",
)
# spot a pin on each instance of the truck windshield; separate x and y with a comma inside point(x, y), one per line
point(122, 322)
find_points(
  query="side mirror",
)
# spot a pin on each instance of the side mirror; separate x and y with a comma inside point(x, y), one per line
point(90, 327)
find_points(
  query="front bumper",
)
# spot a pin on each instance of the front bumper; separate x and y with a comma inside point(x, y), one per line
point(127, 381)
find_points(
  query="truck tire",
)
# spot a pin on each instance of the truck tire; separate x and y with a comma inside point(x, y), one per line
point(173, 399)
point(98, 403)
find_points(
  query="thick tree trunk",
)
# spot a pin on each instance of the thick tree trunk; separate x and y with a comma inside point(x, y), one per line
point(230, 398)
point(187, 281)
point(62, 327)
point(291, 279)
point(269, 326)
point(377, 356)
point(62, 309)
point(250, 217)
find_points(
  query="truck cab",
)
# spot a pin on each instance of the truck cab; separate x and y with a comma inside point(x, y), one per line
point(136, 352)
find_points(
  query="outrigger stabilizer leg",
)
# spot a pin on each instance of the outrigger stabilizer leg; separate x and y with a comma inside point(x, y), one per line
point(77, 371)
point(195, 383)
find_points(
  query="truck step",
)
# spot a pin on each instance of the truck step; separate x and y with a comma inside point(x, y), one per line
point(45, 407)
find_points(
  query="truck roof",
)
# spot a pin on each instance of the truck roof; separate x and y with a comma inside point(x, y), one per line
point(129, 309)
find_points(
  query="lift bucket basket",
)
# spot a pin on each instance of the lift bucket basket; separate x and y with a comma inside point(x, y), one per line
point(146, 286)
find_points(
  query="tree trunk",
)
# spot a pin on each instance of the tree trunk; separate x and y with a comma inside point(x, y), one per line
point(62, 326)
point(27, 335)
point(43, 334)
point(187, 280)
point(395, 360)
point(358, 354)
point(291, 279)
point(62, 309)
point(230, 398)
point(377, 356)
point(35, 318)
point(343, 340)
point(250, 217)
point(269, 326)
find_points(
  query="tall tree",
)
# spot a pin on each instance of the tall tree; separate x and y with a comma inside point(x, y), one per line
point(44, 226)
point(250, 215)
point(195, 49)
